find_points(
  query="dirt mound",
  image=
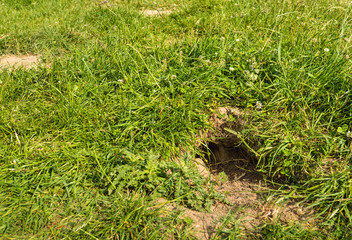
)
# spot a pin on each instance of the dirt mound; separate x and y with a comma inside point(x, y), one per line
point(233, 167)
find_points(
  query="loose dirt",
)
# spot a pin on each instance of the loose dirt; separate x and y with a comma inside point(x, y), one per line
point(26, 61)
point(234, 169)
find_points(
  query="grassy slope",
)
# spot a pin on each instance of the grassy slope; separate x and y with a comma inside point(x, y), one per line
point(124, 92)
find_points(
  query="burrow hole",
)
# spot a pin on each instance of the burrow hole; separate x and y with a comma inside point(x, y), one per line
point(229, 156)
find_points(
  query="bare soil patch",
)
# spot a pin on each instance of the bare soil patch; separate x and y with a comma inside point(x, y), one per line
point(148, 12)
point(233, 167)
point(155, 12)
point(26, 61)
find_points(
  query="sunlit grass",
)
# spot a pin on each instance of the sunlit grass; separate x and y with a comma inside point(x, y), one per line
point(86, 143)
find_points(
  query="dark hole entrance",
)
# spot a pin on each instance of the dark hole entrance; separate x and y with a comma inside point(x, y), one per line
point(228, 156)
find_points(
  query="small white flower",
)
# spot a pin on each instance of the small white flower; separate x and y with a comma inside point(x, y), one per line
point(253, 76)
point(249, 60)
point(237, 40)
point(256, 71)
point(230, 54)
point(349, 134)
point(314, 40)
point(258, 105)
point(326, 50)
point(347, 56)
point(120, 80)
point(173, 76)
point(231, 69)
point(14, 161)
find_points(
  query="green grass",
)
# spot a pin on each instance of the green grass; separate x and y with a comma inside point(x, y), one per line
point(88, 144)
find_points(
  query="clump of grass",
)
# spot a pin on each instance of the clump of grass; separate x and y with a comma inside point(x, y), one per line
point(278, 231)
